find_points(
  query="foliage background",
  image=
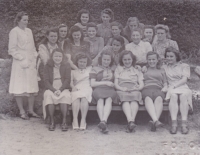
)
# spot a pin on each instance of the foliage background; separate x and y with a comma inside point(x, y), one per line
point(182, 17)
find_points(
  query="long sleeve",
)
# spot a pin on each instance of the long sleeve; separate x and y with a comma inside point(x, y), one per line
point(43, 54)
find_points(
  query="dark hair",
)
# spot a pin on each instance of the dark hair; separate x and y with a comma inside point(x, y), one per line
point(125, 52)
point(81, 12)
point(106, 52)
point(19, 17)
point(109, 12)
point(82, 55)
point(119, 25)
point(92, 24)
point(158, 65)
point(51, 56)
point(119, 39)
point(173, 50)
point(75, 29)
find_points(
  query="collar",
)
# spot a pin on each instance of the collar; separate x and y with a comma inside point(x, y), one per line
point(140, 43)
point(92, 39)
point(128, 69)
point(52, 47)
point(106, 26)
point(174, 65)
point(57, 66)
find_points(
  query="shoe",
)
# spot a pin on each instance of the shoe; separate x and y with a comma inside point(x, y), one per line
point(64, 127)
point(152, 125)
point(32, 114)
point(75, 127)
point(83, 127)
point(184, 127)
point(52, 127)
point(24, 116)
point(102, 125)
point(158, 124)
point(131, 126)
point(173, 129)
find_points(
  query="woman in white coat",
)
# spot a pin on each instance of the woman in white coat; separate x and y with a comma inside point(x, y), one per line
point(23, 80)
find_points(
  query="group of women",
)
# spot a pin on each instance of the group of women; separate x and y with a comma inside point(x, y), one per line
point(102, 64)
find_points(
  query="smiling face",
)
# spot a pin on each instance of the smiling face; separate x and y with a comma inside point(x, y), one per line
point(76, 36)
point(116, 45)
point(82, 63)
point(116, 31)
point(106, 60)
point(127, 60)
point(171, 57)
point(132, 25)
point(91, 32)
point(136, 37)
point(63, 32)
point(57, 58)
point(152, 60)
point(84, 18)
point(23, 22)
point(105, 18)
point(52, 37)
point(148, 33)
point(162, 35)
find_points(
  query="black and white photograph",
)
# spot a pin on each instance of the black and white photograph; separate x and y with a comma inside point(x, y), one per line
point(99, 77)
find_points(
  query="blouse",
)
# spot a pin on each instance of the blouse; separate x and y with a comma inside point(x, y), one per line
point(105, 32)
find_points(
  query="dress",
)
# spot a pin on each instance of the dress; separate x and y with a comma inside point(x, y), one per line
point(102, 92)
point(128, 77)
point(105, 32)
point(81, 81)
point(23, 79)
point(174, 74)
point(160, 47)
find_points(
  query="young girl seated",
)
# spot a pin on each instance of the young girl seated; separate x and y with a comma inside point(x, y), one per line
point(81, 91)
point(104, 94)
point(129, 82)
point(83, 18)
point(104, 29)
point(155, 84)
point(57, 82)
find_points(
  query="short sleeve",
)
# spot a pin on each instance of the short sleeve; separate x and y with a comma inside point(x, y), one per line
point(93, 73)
point(186, 70)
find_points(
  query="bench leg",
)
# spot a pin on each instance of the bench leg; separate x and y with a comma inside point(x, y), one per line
point(69, 117)
point(169, 120)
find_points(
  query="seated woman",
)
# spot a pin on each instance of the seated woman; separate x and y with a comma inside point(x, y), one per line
point(96, 43)
point(104, 93)
point(81, 91)
point(155, 84)
point(149, 34)
point(117, 30)
point(177, 75)
point(163, 40)
point(129, 82)
point(57, 82)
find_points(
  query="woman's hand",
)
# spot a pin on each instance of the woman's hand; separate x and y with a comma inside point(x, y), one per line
point(74, 89)
point(57, 92)
point(109, 83)
point(164, 89)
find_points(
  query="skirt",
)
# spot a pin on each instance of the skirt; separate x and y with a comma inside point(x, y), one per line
point(82, 93)
point(50, 98)
point(103, 92)
point(153, 92)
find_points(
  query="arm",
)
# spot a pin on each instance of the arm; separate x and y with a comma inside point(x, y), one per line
point(70, 62)
point(43, 54)
point(47, 75)
point(117, 87)
point(95, 83)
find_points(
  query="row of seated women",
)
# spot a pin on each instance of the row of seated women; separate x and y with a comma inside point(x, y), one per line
point(120, 73)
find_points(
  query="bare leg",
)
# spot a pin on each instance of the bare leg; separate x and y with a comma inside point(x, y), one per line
point(127, 111)
point(51, 108)
point(134, 109)
point(158, 103)
point(75, 110)
point(100, 108)
point(84, 110)
point(107, 108)
point(173, 106)
point(184, 106)
point(19, 100)
point(150, 107)
point(31, 100)
point(63, 108)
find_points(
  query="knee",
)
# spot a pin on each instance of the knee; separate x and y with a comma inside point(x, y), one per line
point(183, 99)
point(159, 100)
point(174, 97)
point(109, 100)
point(147, 100)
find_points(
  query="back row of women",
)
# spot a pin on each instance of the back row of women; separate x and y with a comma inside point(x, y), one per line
point(101, 64)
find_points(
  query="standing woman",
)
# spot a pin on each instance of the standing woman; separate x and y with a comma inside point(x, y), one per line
point(23, 80)
point(163, 40)
point(129, 82)
point(149, 34)
point(178, 74)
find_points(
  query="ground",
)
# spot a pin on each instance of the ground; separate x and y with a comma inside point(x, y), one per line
point(20, 137)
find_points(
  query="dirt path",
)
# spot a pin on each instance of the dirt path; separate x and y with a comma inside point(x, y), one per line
point(18, 137)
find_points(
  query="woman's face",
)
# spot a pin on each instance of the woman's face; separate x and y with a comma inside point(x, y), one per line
point(148, 33)
point(133, 24)
point(91, 32)
point(161, 34)
point(84, 18)
point(127, 60)
point(82, 63)
point(76, 36)
point(152, 60)
point(63, 32)
point(23, 22)
point(136, 37)
point(171, 57)
point(105, 18)
point(116, 45)
point(57, 58)
point(106, 60)
point(116, 31)
point(52, 37)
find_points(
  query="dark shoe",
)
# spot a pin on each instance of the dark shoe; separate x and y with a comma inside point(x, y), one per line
point(158, 124)
point(32, 114)
point(131, 126)
point(152, 125)
point(64, 127)
point(184, 127)
point(52, 127)
point(173, 129)
point(102, 125)
point(24, 116)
